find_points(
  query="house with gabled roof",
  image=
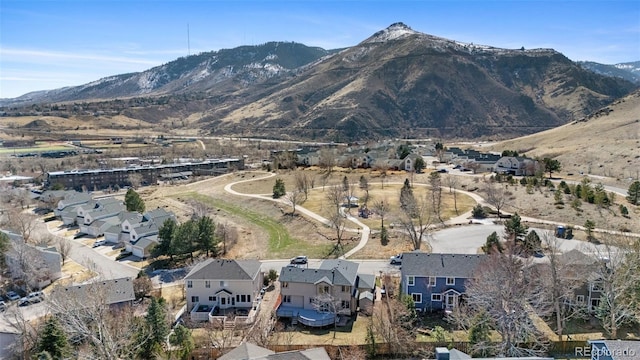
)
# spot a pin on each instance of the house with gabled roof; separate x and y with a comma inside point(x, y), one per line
point(519, 166)
point(613, 349)
point(91, 227)
point(222, 284)
point(119, 233)
point(114, 292)
point(70, 200)
point(249, 351)
point(437, 281)
point(303, 289)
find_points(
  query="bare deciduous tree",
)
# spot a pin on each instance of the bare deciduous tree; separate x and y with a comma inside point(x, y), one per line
point(496, 195)
point(617, 279)
point(509, 298)
point(416, 221)
point(381, 207)
point(304, 183)
point(560, 277)
point(64, 248)
point(294, 198)
point(452, 182)
point(87, 318)
point(23, 223)
point(436, 193)
point(391, 325)
point(227, 234)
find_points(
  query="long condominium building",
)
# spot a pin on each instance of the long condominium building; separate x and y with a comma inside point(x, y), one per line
point(145, 175)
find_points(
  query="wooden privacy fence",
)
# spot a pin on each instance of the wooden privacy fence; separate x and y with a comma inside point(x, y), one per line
point(557, 349)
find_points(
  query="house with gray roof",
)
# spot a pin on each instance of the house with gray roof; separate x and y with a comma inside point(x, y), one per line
point(519, 166)
point(114, 292)
point(613, 350)
point(249, 351)
point(90, 224)
point(37, 264)
point(437, 281)
point(317, 297)
point(220, 284)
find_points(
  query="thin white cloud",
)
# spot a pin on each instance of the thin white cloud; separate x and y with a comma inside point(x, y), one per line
point(45, 56)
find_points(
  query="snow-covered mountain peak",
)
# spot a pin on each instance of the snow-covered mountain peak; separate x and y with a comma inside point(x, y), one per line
point(394, 31)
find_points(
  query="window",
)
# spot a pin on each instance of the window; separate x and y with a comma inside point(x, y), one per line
point(248, 298)
point(207, 284)
point(189, 284)
point(417, 298)
point(432, 281)
point(436, 297)
point(212, 298)
point(346, 304)
point(243, 298)
point(596, 286)
point(324, 289)
point(238, 298)
point(195, 299)
point(223, 283)
point(451, 281)
point(285, 284)
point(411, 281)
point(286, 299)
point(345, 289)
point(580, 299)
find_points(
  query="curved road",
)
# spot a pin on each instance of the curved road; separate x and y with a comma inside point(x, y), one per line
point(460, 239)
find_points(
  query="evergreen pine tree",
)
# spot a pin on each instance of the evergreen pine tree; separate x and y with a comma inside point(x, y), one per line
point(634, 193)
point(53, 341)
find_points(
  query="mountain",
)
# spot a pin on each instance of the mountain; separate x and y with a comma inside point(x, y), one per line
point(605, 143)
point(629, 71)
point(402, 83)
point(226, 69)
point(396, 83)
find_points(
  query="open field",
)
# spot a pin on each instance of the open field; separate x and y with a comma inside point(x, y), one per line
point(40, 147)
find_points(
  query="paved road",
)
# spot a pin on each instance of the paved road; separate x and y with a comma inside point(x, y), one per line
point(93, 259)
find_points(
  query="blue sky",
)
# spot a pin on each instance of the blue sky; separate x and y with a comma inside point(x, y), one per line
point(47, 44)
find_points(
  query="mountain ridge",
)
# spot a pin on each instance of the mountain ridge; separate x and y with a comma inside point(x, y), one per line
point(396, 83)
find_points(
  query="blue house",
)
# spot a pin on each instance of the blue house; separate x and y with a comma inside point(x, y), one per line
point(437, 281)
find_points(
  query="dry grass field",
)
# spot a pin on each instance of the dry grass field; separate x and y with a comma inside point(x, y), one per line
point(606, 144)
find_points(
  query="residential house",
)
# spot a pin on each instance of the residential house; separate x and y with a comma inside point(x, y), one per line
point(114, 292)
point(409, 162)
point(249, 351)
point(119, 232)
point(443, 353)
point(220, 284)
point(518, 166)
point(37, 265)
point(437, 281)
point(317, 297)
point(143, 232)
point(90, 224)
point(613, 350)
point(70, 200)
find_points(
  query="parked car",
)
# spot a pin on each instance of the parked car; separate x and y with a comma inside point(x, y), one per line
point(299, 260)
point(13, 296)
point(99, 243)
point(32, 298)
point(396, 259)
point(442, 170)
point(3, 306)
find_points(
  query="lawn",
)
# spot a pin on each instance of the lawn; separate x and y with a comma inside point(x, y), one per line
point(280, 243)
point(35, 149)
point(354, 332)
